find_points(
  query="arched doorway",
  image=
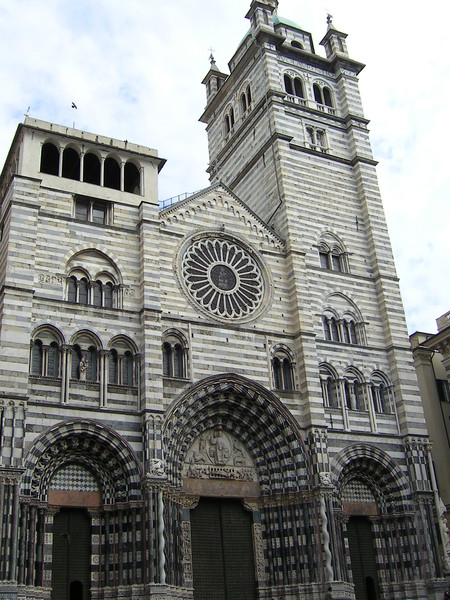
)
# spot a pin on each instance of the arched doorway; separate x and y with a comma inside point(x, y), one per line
point(231, 445)
point(222, 550)
point(71, 555)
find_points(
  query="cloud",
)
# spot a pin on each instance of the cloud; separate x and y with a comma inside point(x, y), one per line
point(134, 70)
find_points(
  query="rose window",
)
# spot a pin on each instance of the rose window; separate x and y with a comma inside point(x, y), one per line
point(223, 278)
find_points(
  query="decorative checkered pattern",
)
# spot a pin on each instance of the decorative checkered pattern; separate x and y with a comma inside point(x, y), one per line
point(254, 416)
point(356, 491)
point(74, 478)
point(99, 449)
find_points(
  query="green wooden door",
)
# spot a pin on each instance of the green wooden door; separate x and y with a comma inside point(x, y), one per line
point(71, 555)
point(362, 555)
point(222, 551)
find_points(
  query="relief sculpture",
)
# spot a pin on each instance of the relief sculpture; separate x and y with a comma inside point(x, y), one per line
point(216, 454)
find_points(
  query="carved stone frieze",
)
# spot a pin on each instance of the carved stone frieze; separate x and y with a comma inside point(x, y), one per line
point(217, 454)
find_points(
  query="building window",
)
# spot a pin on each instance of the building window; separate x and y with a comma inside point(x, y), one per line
point(71, 164)
point(297, 45)
point(121, 366)
point(94, 211)
point(174, 355)
point(381, 394)
point(282, 369)
point(316, 139)
point(132, 178)
point(329, 384)
point(443, 390)
point(345, 330)
point(91, 170)
point(229, 120)
point(45, 355)
point(322, 96)
point(353, 394)
point(332, 256)
point(84, 363)
point(246, 99)
point(96, 293)
point(294, 87)
point(49, 159)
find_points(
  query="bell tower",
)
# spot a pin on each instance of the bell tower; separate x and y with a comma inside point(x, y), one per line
point(287, 134)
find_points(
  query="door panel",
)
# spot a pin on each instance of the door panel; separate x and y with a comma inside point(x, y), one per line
point(71, 555)
point(222, 551)
point(362, 555)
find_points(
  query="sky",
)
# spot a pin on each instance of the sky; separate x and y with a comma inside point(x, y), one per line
point(134, 70)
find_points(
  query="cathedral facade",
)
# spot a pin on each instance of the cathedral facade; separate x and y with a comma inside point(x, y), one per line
point(213, 399)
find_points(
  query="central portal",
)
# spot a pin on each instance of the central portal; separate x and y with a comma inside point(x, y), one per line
point(222, 551)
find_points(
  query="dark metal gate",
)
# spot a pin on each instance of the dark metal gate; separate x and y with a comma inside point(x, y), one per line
point(222, 551)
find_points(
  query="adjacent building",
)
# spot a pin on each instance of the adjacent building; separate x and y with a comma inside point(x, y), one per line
point(432, 361)
point(213, 398)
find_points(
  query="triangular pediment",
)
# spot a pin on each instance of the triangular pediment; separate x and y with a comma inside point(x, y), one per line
point(218, 207)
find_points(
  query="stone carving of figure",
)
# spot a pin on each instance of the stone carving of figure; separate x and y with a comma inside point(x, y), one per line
point(157, 467)
point(238, 455)
point(219, 450)
point(83, 368)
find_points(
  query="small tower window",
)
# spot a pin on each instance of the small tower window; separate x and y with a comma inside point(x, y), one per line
point(91, 168)
point(49, 159)
point(71, 164)
point(132, 179)
point(112, 174)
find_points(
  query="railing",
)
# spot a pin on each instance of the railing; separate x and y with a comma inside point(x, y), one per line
point(169, 201)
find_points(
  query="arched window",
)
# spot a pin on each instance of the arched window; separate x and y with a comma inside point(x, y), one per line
point(44, 355)
point(108, 295)
point(317, 94)
point(298, 88)
point(288, 85)
point(121, 368)
point(174, 355)
point(332, 254)
point(297, 45)
point(322, 96)
point(132, 177)
point(91, 168)
point(111, 177)
point(53, 360)
point(243, 102)
point(49, 159)
point(293, 86)
point(353, 393)
point(113, 372)
point(327, 97)
point(36, 357)
point(83, 291)
point(329, 384)
point(91, 363)
point(127, 369)
point(97, 293)
point(282, 369)
point(381, 394)
point(71, 164)
point(76, 360)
